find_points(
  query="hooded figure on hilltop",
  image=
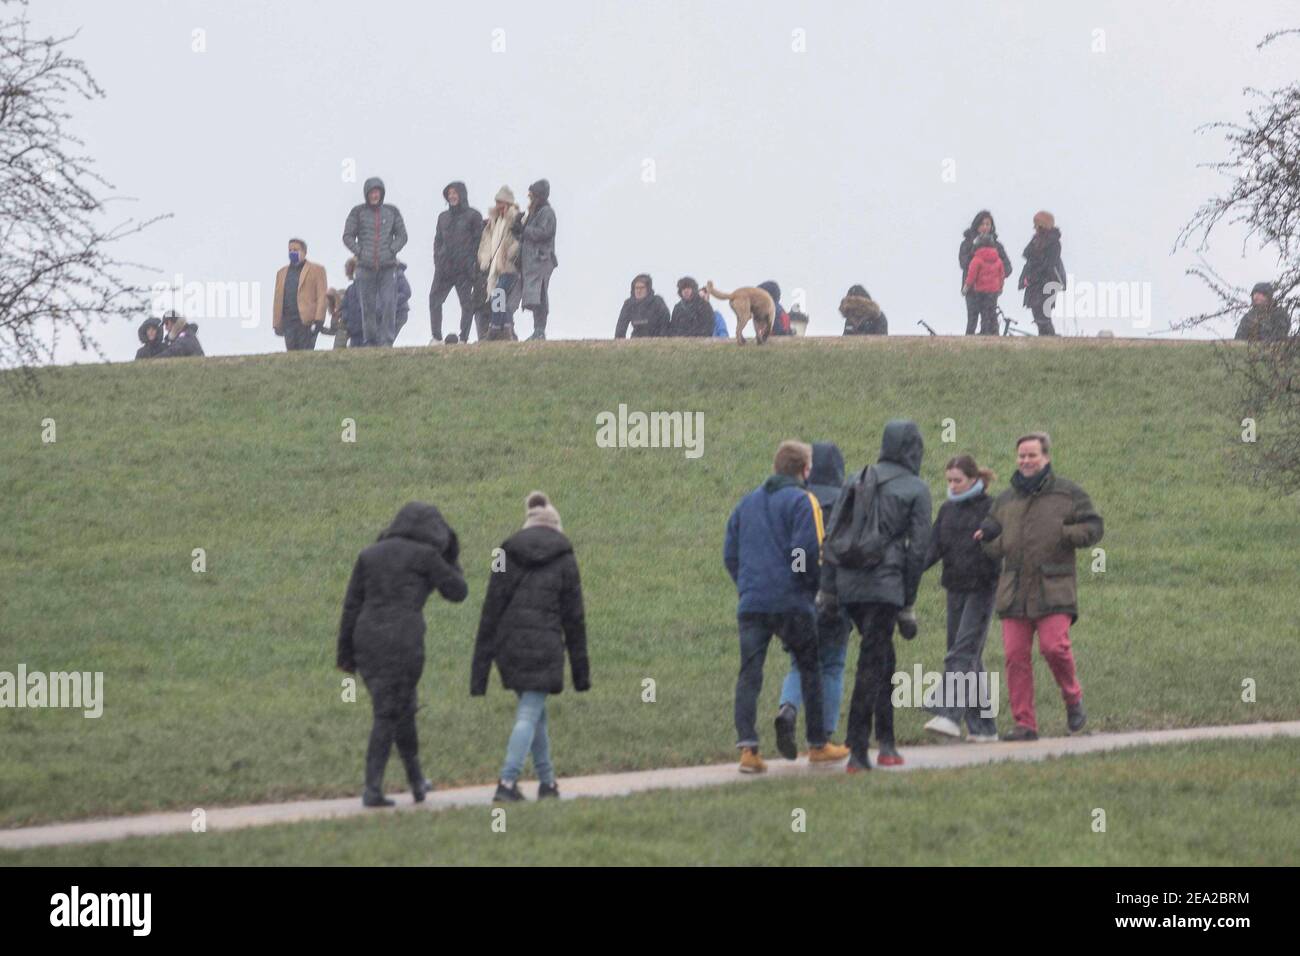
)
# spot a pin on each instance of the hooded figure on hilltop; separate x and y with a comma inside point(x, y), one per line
point(150, 334)
point(1265, 321)
point(692, 315)
point(643, 310)
point(862, 316)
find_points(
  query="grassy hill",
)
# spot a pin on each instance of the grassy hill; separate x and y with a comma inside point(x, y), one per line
point(220, 686)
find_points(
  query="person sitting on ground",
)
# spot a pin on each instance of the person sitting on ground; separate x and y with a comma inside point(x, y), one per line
point(182, 338)
point(151, 338)
point(781, 322)
point(643, 311)
point(772, 552)
point(532, 614)
point(861, 314)
point(381, 633)
point(970, 578)
point(1265, 321)
point(692, 315)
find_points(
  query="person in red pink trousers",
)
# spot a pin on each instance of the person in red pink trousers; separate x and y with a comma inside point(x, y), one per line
point(1034, 528)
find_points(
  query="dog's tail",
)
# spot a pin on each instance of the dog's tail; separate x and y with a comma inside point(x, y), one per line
point(708, 287)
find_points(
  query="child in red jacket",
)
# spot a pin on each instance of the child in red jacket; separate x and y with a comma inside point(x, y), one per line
point(984, 277)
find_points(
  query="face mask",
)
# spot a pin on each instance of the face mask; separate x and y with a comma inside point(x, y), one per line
point(293, 258)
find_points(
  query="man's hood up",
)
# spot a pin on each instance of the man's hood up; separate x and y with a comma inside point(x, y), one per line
point(902, 444)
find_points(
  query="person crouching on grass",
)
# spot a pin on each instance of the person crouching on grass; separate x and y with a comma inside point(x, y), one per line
point(970, 577)
point(532, 613)
point(382, 633)
point(773, 553)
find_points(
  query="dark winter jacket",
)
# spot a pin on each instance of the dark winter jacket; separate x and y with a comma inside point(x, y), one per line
point(1035, 536)
point(382, 630)
point(1267, 324)
point(455, 244)
point(862, 316)
point(693, 317)
point(374, 234)
point(986, 271)
point(537, 259)
point(763, 532)
point(647, 316)
point(532, 614)
point(1043, 265)
point(781, 320)
point(967, 249)
point(352, 314)
point(965, 565)
point(184, 342)
point(904, 514)
point(403, 296)
point(149, 349)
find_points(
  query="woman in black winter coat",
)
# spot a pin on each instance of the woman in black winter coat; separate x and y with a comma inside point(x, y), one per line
point(382, 632)
point(970, 577)
point(981, 225)
point(1043, 274)
point(643, 310)
point(532, 614)
point(151, 338)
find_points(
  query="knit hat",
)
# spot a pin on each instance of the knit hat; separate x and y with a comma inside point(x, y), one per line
point(1044, 219)
point(505, 194)
point(860, 291)
point(538, 510)
point(541, 189)
point(1264, 287)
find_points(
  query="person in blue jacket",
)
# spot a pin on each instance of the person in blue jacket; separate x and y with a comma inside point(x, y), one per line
point(773, 553)
point(720, 326)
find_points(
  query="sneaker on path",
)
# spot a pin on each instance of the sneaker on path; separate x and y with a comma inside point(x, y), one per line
point(1076, 717)
point(508, 794)
point(1021, 733)
point(943, 725)
point(546, 790)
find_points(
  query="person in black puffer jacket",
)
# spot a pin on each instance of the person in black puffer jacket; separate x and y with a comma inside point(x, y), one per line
point(532, 614)
point(970, 577)
point(861, 314)
point(151, 338)
point(643, 310)
point(692, 315)
point(382, 632)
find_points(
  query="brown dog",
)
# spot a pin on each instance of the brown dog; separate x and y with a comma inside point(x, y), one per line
point(748, 303)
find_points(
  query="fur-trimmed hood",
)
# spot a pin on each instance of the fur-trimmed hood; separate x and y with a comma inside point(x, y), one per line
point(859, 308)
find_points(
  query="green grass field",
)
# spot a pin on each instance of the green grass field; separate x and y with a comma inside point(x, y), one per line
point(1220, 803)
point(220, 687)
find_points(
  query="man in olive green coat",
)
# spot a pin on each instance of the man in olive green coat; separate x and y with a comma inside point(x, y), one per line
point(1034, 528)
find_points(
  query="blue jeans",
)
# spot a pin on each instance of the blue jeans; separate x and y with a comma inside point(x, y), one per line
point(833, 638)
point(377, 291)
point(529, 734)
point(798, 634)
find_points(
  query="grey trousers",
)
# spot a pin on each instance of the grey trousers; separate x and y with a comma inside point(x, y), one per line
point(378, 293)
point(969, 613)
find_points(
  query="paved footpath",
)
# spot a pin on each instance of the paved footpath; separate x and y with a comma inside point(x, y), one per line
point(925, 757)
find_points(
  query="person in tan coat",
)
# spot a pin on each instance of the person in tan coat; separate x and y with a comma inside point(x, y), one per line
point(298, 307)
point(498, 263)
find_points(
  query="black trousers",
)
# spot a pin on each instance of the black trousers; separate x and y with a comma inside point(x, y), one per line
point(442, 285)
point(540, 312)
point(394, 704)
point(1041, 318)
point(982, 307)
point(872, 686)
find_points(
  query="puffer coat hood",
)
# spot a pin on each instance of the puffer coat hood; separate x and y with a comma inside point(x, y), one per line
point(827, 475)
point(374, 182)
point(424, 523)
point(141, 333)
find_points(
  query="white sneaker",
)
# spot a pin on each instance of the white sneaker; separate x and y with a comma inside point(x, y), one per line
point(942, 725)
point(982, 738)
point(435, 341)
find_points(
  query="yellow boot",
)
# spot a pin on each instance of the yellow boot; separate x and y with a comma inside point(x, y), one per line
point(750, 761)
point(827, 753)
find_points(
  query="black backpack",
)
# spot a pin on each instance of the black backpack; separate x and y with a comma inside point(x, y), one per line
point(854, 539)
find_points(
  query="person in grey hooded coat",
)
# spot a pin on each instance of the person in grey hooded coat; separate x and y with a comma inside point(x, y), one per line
point(879, 597)
point(375, 233)
point(381, 633)
point(536, 234)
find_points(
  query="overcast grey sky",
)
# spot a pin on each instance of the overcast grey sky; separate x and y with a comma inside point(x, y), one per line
point(802, 142)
